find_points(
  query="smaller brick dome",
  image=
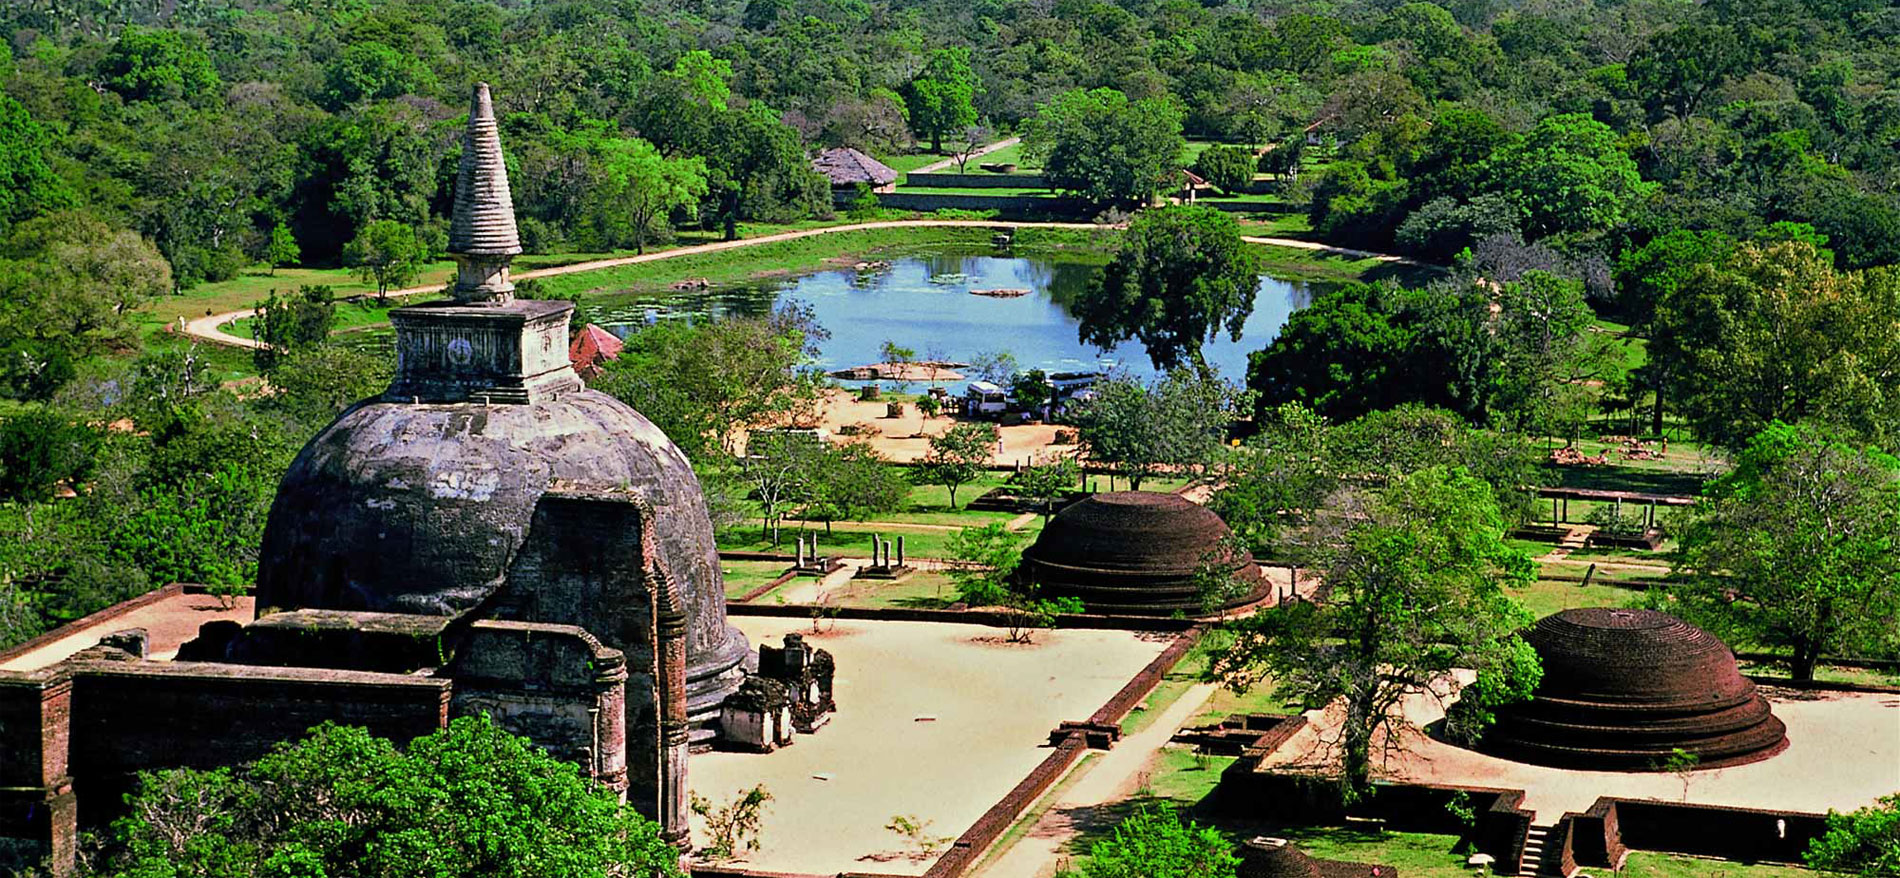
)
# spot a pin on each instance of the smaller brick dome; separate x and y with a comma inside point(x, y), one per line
point(1623, 689)
point(1136, 553)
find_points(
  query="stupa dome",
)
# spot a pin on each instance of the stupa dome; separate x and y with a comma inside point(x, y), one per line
point(418, 501)
point(1262, 857)
point(1624, 689)
point(1137, 552)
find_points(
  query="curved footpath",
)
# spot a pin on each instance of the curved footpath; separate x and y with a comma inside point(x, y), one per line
point(210, 327)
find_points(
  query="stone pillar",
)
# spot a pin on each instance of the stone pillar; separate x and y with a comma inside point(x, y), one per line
point(900, 550)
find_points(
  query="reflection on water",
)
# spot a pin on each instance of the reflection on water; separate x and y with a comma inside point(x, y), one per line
point(924, 303)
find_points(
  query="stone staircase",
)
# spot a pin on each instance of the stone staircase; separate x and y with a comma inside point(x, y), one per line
point(1538, 860)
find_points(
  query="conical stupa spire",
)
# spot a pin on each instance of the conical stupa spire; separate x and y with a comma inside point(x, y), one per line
point(484, 222)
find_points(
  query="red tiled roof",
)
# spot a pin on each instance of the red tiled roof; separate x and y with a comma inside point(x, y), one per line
point(591, 346)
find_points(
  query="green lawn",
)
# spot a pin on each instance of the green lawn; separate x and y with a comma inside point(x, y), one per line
point(925, 589)
point(999, 192)
point(1008, 154)
point(1545, 596)
point(906, 162)
point(1279, 225)
point(849, 539)
point(744, 576)
point(1175, 683)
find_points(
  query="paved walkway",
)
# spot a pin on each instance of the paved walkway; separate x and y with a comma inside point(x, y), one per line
point(945, 163)
point(1113, 777)
point(209, 328)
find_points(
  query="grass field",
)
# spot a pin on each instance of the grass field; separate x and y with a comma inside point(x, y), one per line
point(744, 576)
point(1545, 596)
point(925, 589)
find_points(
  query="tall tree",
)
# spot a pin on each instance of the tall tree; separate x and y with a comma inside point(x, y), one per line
point(1570, 173)
point(1416, 569)
point(386, 253)
point(648, 186)
point(1177, 423)
point(1799, 548)
point(941, 97)
point(1773, 332)
point(1180, 276)
point(704, 383)
point(71, 281)
point(957, 456)
point(1104, 148)
point(27, 184)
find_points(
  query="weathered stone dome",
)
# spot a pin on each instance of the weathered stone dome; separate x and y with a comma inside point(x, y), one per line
point(1623, 689)
point(1136, 552)
point(419, 508)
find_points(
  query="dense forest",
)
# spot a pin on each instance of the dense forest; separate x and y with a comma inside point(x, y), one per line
point(1722, 178)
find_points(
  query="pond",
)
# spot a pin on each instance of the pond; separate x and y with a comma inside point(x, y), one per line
point(925, 304)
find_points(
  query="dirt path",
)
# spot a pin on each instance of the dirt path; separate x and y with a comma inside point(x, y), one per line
point(945, 163)
point(1110, 779)
point(209, 328)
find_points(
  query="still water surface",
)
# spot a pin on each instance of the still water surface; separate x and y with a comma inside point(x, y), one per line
point(924, 303)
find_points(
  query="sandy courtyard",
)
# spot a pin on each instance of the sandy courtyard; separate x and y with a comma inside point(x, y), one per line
point(1843, 753)
point(993, 704)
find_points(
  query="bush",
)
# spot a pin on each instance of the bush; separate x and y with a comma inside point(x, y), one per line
point(1228, 167)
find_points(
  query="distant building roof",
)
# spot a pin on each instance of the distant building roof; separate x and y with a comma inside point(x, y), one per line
point(591, 346)
point(845, 166)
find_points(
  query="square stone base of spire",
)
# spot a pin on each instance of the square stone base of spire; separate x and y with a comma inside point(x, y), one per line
point(513, 353)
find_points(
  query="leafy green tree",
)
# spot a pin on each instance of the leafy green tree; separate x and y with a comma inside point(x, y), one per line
point(853, 483)
point(1044, 483)
point(757, 170)
point(282, 250)
point(957, 456)
point(28, 184)
point(147, 64)
point(1416, 569)
point(1569, 174)
point(318, 382)
point(1155, 842)
point(1180, 276)
point(1864, 842)
point(286, 324)
point(371, 71)
point(1683, 65)
point(386, 253)
point(1773, 332)
point(70, 280)
point(1348, 352)
point(1281, 475)
point(941, 97)
point(1176, 423)
point(1104, 148)
point(704, 383)
point(467, 800)
point(39, 449)
point(1228, 167)
point(1798, 547)
point(648, 186)
point(989, 556)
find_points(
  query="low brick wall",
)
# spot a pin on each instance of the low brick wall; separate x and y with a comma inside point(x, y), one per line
point(969, 846)
point(983, 180)
point(1021, 204)
point(1747, 834)
point(1144, 682)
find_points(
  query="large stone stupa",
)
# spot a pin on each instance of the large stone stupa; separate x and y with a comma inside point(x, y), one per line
point(418, 501)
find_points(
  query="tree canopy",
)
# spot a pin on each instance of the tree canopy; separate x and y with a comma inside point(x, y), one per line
point(1100, 146)
point(1180, 276)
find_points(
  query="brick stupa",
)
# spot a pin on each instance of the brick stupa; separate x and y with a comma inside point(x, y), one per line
point(1624, 689)
point(1138, 553)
